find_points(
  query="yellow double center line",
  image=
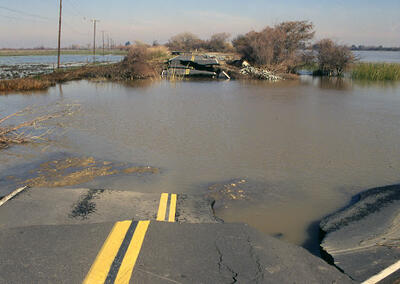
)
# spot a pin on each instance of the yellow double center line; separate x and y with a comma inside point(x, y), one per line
point(117, 257)
point(165, 200)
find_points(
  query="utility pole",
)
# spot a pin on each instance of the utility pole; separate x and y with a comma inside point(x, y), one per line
point(102, 32)
point(94, 39)
point(59, 37)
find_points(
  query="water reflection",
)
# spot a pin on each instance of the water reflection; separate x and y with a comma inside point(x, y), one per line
point(329, 83)
point(303, 147)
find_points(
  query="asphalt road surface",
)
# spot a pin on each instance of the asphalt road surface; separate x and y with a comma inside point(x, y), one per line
point(107, 236)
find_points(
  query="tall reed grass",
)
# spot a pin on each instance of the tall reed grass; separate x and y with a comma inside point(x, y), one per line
point(376, 71)
point(24, 84)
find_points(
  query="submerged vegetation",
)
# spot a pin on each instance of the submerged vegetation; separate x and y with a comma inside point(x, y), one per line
point(24, 84)
point(27, 125)
point(376, 71)
point(15, 134)
point(68, 171)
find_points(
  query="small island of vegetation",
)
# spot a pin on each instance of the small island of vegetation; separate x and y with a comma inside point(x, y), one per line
point(279, 51)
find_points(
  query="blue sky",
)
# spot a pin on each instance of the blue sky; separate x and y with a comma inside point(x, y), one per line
point(34, 23)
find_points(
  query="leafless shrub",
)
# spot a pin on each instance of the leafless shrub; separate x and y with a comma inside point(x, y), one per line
point(276, 46)
point(219, 43)
point(185, 42)
point(333, 59)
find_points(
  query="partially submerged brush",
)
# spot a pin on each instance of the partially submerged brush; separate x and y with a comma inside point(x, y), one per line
point(23, 132)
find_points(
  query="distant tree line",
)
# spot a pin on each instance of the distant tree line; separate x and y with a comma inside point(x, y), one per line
point(374, 48)
point(188, 42)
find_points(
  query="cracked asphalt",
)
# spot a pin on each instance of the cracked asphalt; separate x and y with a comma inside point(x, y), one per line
point(364, 238)
point(42, 243)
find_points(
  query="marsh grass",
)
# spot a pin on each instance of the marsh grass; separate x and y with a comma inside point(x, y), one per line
point(24, 84)
point(376, 71)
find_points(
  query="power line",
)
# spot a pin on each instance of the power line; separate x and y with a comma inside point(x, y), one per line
point(24, 19)
point(72, 28)
point(35, 19)
point(26, 14)
point(75, 9)
point(16, 18)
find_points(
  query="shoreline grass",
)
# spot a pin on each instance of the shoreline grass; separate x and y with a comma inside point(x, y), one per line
point(24, 84)
point(376, 71)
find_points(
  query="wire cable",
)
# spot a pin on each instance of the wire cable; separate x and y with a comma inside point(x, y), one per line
point(26, 14)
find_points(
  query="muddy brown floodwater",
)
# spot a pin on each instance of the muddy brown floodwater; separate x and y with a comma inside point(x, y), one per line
point(279, 156)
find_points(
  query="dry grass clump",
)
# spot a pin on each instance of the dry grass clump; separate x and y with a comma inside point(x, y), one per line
point(24, 84)
point(143, 62)
point(158, 52)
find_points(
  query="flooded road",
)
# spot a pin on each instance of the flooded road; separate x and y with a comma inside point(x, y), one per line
point(278, 156)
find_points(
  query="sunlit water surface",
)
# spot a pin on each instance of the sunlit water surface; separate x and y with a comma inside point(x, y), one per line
point(305, 147)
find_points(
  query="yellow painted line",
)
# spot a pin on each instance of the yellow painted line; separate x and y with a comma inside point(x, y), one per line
point(99, 270)
point(172, 208)
point(162, 208)
point(127, 265)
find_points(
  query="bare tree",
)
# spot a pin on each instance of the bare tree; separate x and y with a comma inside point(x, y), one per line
point(333, 59)
point(185, 42)
point(276, 46)
point(218, 42)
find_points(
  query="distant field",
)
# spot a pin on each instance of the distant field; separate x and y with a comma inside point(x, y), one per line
point(33, 52)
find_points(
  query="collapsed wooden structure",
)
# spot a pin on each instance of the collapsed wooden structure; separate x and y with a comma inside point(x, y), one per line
point(190, 65)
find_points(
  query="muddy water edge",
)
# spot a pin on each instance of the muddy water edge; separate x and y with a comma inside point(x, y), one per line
point(278, 156)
